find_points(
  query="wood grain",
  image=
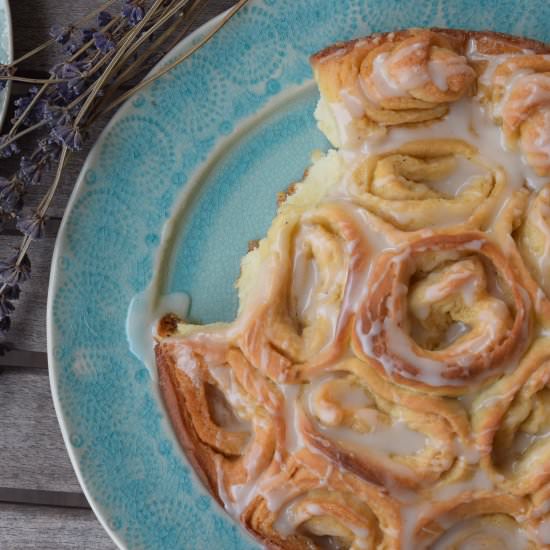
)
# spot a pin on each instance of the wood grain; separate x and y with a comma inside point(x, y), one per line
point(32, 454)
point(25, 527)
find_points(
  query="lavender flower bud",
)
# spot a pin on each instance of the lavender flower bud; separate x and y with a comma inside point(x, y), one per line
point(60, 34)
point(40, 110)
point(11, 194)
point(6, 307)
point(68, 136)
point(103, 43)
point(5, 71)
point(12, 292)
point(12, 273)
point(49, 149)
point(30, 171)
point(7, 151)
point(133, 13)
point(56, 115)
point(21, 105)
point(65, 70)
point(86, 35)
point(103, 18)
point(65, 92)
point(32, 225)
point(77, 39)
point(5, 323)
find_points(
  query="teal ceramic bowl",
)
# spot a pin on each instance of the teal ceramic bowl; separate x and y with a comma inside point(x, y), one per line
point(197, 157)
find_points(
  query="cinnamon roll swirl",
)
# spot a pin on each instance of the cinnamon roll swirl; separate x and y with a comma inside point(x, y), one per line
point(388, 80)
point(431, 318)
point(481, 521)
point(305, 318)
point(521, 104)
point(523, 231)
point(427, 183)
point(512, 424)
point(386, 382)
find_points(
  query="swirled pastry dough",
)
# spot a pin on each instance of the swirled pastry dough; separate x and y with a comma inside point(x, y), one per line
point(386, 383)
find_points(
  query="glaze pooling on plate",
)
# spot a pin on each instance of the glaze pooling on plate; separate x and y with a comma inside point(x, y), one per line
point(112, 420)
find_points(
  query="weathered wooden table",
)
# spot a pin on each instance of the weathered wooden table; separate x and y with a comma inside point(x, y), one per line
point(41, 503)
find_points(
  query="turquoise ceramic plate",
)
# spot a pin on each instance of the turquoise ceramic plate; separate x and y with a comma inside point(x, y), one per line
point(225, 131)
point(6, 51)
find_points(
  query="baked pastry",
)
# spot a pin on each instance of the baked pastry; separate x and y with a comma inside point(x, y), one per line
point(386, 383)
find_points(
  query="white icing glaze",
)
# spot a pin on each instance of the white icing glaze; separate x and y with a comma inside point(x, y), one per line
point(186, 362)
point(294, 440)
point(144, 312)
point(462, 176)
point(466, 120)
point(386, 437)
point(305, 277)
point(385, 85)
point(440, 70)
point(537, 87)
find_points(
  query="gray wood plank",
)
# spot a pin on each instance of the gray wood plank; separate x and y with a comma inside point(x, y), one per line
point(32, 453)
point(45, 528)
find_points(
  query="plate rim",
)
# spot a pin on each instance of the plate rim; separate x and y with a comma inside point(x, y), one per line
point(185, 43)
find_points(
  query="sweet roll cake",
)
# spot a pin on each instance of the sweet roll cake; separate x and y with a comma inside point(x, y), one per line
point(386, 382)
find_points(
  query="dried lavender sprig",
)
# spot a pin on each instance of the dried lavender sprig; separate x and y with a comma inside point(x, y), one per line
point(27, 110)
point(52, 41)
point(118, 55)
point(11, 136)
point(146, 81)
point(170, 12)
point(24, 132)
point(174, 9)
point(18, 268)
point(132, 70)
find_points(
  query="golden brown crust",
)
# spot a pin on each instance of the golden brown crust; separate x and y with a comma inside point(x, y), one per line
point(174, 402)
point(489, 42)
